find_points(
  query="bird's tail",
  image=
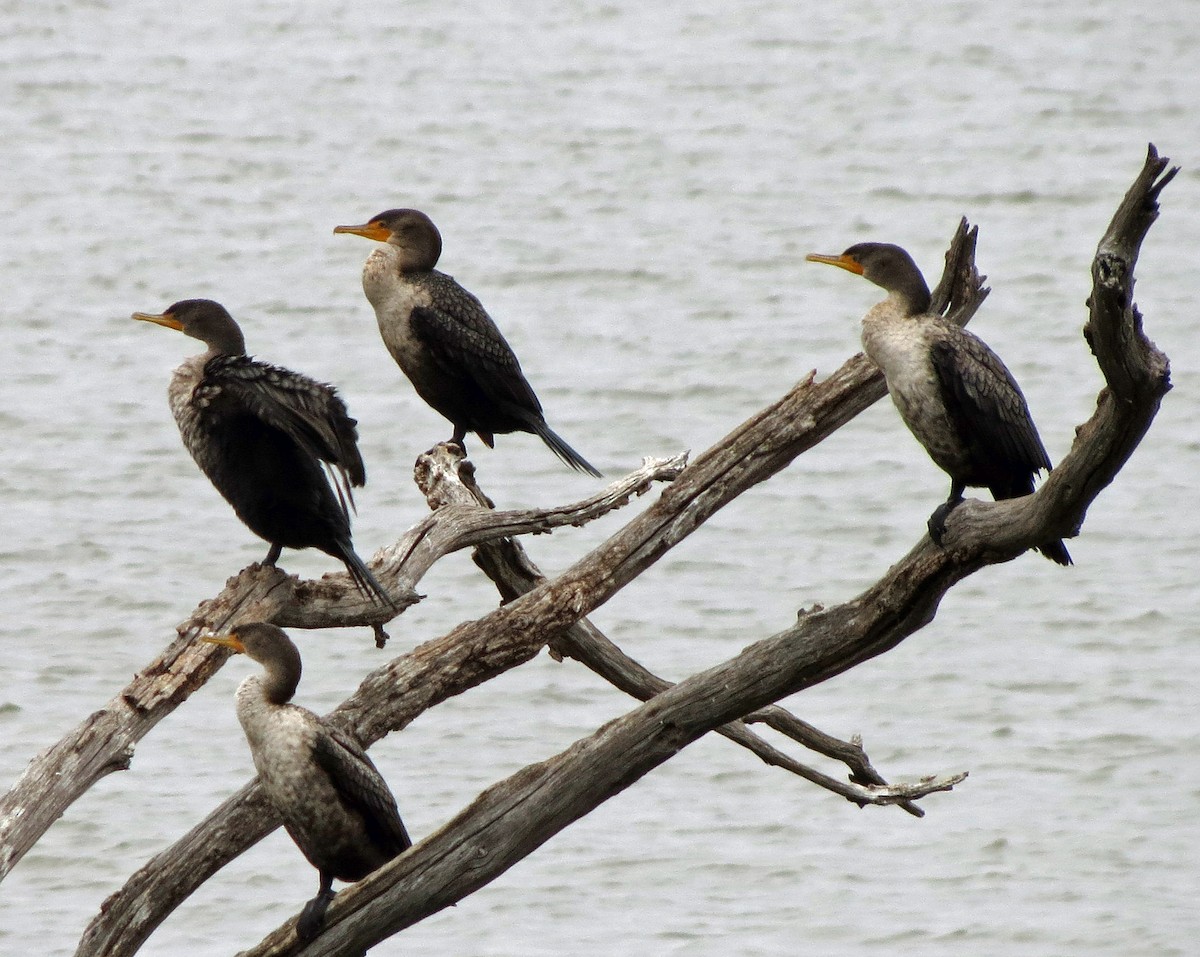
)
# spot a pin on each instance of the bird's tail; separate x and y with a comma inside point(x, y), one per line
point(367, 583)
point(1056, 552)
point(564, 451)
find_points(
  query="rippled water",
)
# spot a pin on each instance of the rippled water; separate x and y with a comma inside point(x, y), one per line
point(631, 193)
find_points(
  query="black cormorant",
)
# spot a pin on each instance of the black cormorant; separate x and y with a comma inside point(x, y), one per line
point(261, 434)
point(443, 339)
point(952, 391)
point(332, 800)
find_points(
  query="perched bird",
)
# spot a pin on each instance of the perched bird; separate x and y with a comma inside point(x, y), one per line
point(332, 800)
point(261, 434)
point(443, 339)
point(952, 391)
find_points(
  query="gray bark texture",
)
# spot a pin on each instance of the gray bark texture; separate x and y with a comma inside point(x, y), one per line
point(512, 818)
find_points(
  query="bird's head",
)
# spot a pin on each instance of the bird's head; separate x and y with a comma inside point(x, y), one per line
point(886, 265)
point(201, 319)
point(409, 230)
point(270, 646)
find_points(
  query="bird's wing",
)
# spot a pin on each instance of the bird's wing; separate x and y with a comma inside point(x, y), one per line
point(361, 786)
point(311, 413)
point(462, 338)
point(986, 402)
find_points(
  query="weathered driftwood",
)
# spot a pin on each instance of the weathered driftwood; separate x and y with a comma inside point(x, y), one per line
point(505, 562)
point(104, 742)
point(820, 645)
point(512, 818)
point(395, 694)
point(245, 818)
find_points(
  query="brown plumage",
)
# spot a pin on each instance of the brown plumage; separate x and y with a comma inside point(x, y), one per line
point(952, 391)
point(261, 434)
point(331, 798)
point(443, 339)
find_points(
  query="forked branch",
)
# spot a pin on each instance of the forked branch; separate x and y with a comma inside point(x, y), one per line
point(512, 818)
point(392, 696)
point(105, 741)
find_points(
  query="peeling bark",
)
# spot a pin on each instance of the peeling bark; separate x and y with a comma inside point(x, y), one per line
point(513, 817)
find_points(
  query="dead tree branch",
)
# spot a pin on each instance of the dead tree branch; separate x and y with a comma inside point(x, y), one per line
point(105, 741)
point(514, 817)
point(511, 819)
point(509, 567)
point(393, 695)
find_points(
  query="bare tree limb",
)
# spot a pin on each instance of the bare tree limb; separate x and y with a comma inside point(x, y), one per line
point(509, 567)
point(450, 529)
point(393, 695)
point(104, 742)
point(511, 819)
point(507, 564)
point(1137, 376)
point(514, 817)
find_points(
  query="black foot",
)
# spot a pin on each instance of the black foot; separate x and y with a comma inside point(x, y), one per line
point(381, 636)
point(273, 556)
point(937, 521)
point(312, 918)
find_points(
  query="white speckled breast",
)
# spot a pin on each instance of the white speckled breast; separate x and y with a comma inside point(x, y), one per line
point(900, 346)
point(183, 383)
point(394, 299)
point(281, 742)
point(187, 405)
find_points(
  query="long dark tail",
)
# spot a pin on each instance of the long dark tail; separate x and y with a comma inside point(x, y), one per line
point(564, 451)
point(366, 583)
point(1056, 552)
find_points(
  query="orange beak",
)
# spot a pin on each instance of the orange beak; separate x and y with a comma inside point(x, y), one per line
point(161, 319)
point(372, 230)
point(849, 263)
point(227, 641)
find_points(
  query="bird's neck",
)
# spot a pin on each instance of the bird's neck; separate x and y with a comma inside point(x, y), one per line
point(275, 686)
point(215, 352)
point(900, 305)
point(406, 260)
point(890, 331)
point(912, 298)
point(896, 308)
point(228, 342)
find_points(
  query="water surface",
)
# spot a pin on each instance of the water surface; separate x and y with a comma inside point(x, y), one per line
point(631, 193)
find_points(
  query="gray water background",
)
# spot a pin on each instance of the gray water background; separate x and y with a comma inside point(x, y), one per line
point(631, 192)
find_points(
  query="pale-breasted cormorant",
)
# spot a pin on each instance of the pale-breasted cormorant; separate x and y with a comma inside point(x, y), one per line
point(952, 391)
point(443, 339)
point(261, 434)
point(332, 800)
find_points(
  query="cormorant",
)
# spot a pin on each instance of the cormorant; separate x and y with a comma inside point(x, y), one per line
point(443, 339)
point(261, 434)
point(331, 798)
point(952, 391)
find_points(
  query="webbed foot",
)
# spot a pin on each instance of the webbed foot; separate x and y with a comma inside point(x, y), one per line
point(937, 521)
point(312, 918)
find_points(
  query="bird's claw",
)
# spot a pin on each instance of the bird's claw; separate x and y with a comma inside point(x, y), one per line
point(312, 918)
point(937, 521)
